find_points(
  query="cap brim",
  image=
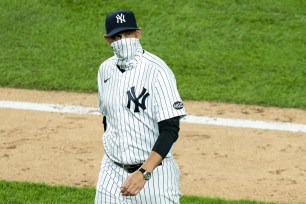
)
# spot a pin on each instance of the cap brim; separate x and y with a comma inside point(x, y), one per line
point(118, 30)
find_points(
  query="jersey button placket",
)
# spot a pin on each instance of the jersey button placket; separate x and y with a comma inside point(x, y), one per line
point(121, 116)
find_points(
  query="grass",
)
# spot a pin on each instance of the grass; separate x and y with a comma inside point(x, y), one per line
point(240, 51)
point(28, 193)
point(12, 192)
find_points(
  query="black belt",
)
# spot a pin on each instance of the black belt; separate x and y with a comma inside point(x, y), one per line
point(130, 168)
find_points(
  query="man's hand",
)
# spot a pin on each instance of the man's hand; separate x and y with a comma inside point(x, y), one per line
point(133, 184)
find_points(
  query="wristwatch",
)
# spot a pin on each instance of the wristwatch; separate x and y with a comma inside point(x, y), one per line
point(146, 174)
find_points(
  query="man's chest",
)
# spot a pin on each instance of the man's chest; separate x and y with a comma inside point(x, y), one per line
point(131, 91)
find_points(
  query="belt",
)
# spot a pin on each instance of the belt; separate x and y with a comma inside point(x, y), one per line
point(130, 168)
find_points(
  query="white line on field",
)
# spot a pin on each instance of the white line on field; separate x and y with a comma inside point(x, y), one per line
point(59, 108)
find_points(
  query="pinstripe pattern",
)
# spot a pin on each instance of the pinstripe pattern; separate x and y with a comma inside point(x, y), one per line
point(162, 188)
point(130, 134)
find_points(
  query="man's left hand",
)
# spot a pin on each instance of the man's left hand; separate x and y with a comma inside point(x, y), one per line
point(133, 184)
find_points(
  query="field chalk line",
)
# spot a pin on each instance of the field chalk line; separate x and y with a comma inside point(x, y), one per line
point(241, 123)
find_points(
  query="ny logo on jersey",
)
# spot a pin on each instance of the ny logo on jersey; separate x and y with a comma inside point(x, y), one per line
point(132, 97)
point(120, 18)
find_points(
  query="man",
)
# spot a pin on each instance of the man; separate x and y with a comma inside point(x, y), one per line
point(141, 110)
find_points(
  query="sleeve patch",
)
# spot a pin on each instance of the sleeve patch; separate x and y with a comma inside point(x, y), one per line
point(178, 105)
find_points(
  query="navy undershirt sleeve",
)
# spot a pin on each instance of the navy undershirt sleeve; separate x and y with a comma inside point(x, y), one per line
point(104, 123)
point(168, 134)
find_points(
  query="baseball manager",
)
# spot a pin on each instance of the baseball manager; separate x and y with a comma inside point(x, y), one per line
point(141, 110)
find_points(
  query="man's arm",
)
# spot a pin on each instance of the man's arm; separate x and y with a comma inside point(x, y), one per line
point(168, 134)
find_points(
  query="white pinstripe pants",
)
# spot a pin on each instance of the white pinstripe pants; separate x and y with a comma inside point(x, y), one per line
point(162, 188)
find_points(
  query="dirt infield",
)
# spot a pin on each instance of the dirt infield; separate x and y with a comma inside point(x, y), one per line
point(227, 162)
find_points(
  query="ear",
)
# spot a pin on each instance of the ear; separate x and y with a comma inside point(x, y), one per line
point(138, 33)
point(108, 39)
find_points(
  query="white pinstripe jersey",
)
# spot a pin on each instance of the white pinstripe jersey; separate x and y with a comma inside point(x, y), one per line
point(134, 102)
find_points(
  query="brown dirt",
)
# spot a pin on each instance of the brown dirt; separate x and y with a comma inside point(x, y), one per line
point(215, 161)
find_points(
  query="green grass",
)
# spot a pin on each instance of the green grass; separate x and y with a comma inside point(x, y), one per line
point(28, 193)
point(32, 193)
point(240, 51)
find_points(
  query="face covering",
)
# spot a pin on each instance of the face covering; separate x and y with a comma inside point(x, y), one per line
point(128, 52)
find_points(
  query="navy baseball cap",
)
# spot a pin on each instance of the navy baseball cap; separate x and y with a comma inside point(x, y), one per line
point(120, 20)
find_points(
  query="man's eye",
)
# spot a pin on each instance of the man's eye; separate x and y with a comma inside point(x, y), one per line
point(116, 36)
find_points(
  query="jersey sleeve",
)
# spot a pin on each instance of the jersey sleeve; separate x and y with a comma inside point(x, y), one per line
point(167, 101)
point(99, 82)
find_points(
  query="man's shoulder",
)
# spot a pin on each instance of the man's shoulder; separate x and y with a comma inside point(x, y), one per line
point(154, 60)
point(158, 64)
point(151, 57)
point(108, 62)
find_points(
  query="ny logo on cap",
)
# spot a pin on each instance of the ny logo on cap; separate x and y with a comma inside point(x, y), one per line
point(120, 18)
